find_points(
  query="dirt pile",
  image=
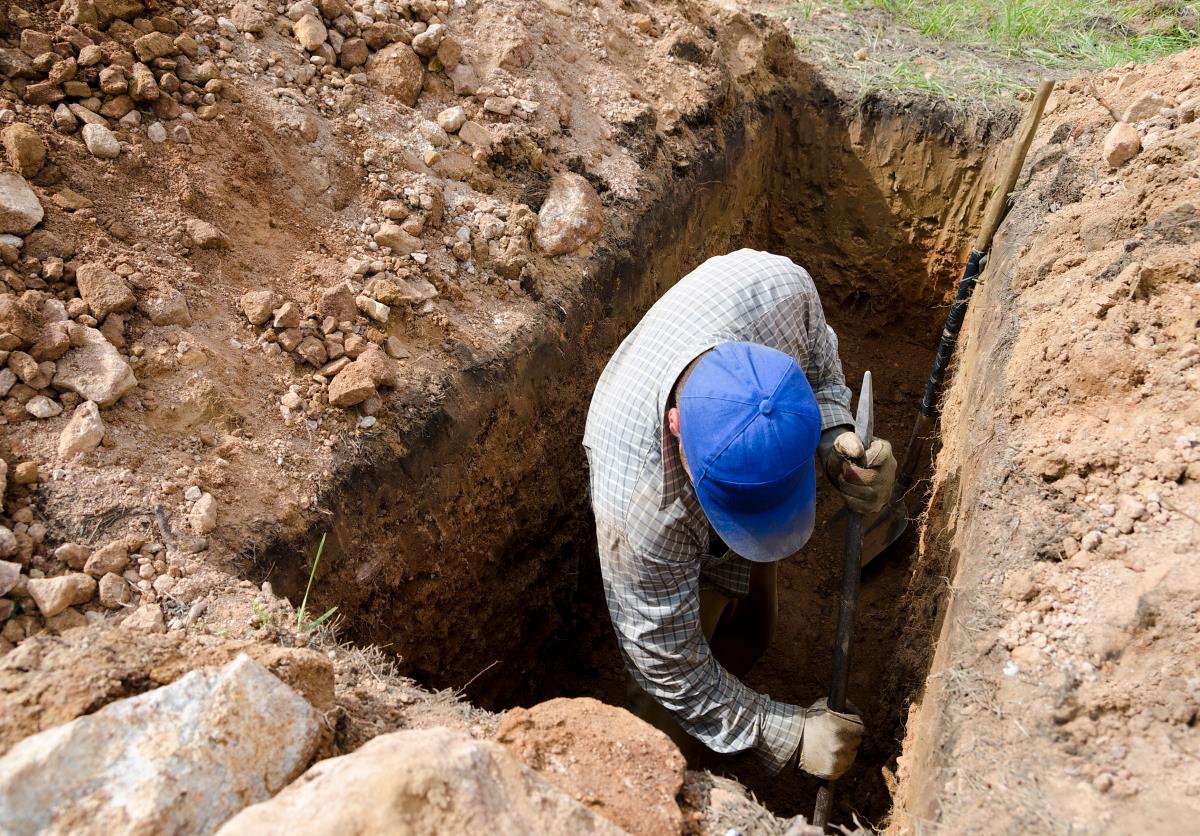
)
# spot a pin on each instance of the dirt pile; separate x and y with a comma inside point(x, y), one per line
point(1067, 494)
point(308, 208)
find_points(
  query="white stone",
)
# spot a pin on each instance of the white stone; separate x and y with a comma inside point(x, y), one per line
point(420, 781)
point(83, 433)
point(39, 406)
point(7, 380)
point(452, 118)
point(101, 142)
point(20, 209)
point(179, 759)
point(203, 517)
point(95, 370)
point(156, 132)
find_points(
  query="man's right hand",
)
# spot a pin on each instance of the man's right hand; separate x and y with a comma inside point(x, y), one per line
point(828, 741)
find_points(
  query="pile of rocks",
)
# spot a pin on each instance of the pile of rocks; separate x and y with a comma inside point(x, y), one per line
point(108, 66)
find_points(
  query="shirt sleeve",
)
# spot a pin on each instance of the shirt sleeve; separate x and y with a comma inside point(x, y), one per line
point(655, 607)
point(796, 325)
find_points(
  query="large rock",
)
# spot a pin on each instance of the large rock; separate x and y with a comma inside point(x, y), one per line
point(418, 782)
point(619, 766)
point(310, 32)
point(571, 215)
point(20, 209)
point(1121, 144)
point(397, 71)
point(359, 380)
point(43, 687)
point(95, 370)
point(179, 759)
point(103, 290)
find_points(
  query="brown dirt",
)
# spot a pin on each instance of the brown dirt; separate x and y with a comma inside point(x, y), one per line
point(614, 764)
point(1064, 516)
point(459, 540)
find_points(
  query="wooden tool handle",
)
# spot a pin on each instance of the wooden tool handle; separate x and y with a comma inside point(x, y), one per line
point(999, 202)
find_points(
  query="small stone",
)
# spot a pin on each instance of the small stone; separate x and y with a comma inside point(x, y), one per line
point(400, 242)
point(20, 209)
point(165, 306)
point(337, 302)
point(257, 305)
point(570, 216)
point(1121, 145)
point(73, 554)
point(204, 235)
point(65, 120)
point(24, 148)
point(40, 406)
point(8, 542)
point(1146, 106)
point(203, 516)
point(1091, 541)
point(475, 134)
point(355, 53)
point(312, 351)
point(395, 210)
point(83, 432)
point(53, 595)
point(71, 200)
point(10, 573)
point(861, 54)
point(148, 618)
point(310, 32)
point(103, 290)
point(142, 85)
point(25, 473)
point(114, 592)
point(153, 45)
point(287, 315)
point(498, 105)
point(101, 142)
point(373, 309)
point(249, 19)
point(156, 133)
point(450, 52)
point(111, 558)
point(452, 118)
point(426, 43)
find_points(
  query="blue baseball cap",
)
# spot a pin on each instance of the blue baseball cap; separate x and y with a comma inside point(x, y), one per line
point(749, 425)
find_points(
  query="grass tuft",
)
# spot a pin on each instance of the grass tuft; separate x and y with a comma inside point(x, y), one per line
point(308, 626)
point(1067, 34)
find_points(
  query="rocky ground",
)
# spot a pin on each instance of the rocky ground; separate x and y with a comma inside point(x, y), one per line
point(242, 240)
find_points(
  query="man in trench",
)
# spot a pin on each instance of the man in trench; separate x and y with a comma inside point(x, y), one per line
point(702, 440)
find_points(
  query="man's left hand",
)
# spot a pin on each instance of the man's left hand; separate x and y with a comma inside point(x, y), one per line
point(863, 477)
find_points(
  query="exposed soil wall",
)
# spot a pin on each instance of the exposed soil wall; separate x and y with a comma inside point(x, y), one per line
point(1062, 697)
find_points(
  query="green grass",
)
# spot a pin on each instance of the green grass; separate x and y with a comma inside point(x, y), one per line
point(1068, 34)
point(302, 624)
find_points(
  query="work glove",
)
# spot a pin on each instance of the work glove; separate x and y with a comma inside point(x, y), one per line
point(828, 741)
point(863, 477)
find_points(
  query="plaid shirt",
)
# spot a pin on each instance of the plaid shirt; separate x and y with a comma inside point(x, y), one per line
point(653, 536)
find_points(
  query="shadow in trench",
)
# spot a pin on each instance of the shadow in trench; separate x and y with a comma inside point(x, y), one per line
point(861, 203)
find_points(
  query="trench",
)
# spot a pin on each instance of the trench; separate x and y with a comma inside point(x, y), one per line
point(462, 542)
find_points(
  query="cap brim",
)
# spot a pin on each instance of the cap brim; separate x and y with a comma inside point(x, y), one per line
point(765, 535)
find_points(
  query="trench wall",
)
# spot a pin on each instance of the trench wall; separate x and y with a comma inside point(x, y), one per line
point(464, 544)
